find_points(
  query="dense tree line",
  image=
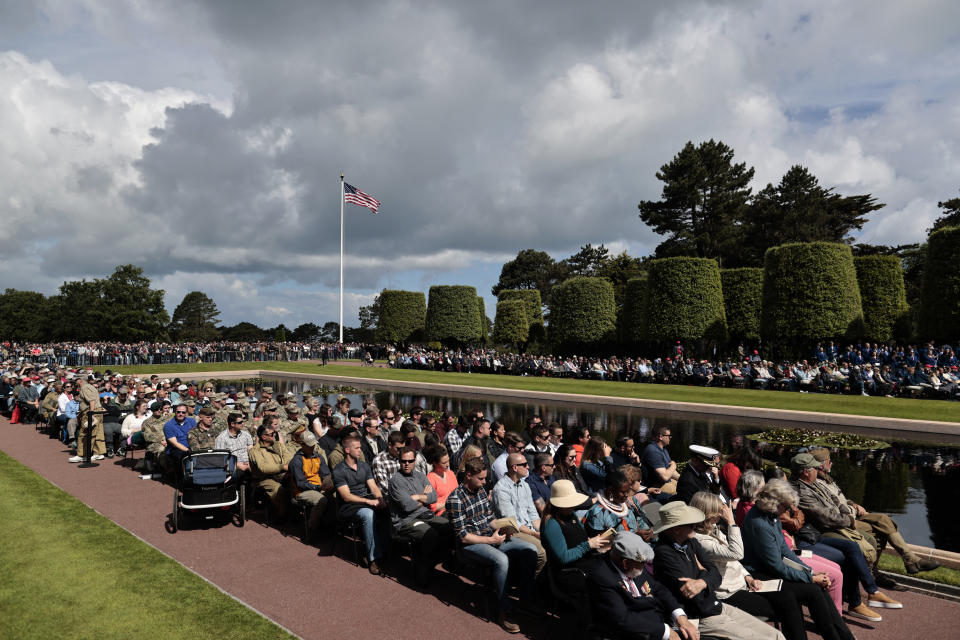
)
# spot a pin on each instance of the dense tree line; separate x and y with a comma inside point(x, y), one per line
point(124, 307)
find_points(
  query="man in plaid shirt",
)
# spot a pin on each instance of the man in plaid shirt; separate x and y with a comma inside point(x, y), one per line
point(471, 516)
point(454, 438)
point(387, 461)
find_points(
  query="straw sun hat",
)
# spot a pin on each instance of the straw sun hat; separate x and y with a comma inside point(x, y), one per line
point(675, 514)
point(564, 495)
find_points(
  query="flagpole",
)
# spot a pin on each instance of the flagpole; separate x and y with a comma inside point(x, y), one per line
point(341, 257)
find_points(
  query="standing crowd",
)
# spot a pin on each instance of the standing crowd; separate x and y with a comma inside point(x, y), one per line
point(868, 369)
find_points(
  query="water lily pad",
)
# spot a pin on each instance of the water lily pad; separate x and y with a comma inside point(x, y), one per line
point(816, 437)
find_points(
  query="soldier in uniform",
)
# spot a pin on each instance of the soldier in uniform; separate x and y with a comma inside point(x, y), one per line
point(118, 408)
point(269, 409)
point(202, 436)
point(293, 421)
point(153, 436)
point(221, 411)
point(90, 443)
point(266, 397)
point(269, 462)
point(48, 407)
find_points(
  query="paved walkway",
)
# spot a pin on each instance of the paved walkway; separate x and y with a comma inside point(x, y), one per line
point(277, 576)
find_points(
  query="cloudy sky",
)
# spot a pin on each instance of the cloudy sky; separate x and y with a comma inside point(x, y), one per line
point(203, 141)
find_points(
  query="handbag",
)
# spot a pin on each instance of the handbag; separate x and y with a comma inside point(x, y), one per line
point(869, 551)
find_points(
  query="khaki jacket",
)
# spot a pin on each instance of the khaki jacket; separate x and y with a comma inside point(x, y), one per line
point(821, 508)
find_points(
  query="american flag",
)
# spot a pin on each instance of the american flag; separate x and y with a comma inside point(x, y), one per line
point(354, 196)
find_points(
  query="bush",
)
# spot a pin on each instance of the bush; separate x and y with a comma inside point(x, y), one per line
point(810, 293)
point(940, 296)
point(582, 311)
point(742, 297)
point(633, 314)
point(534, 310)
point(684, 300)
point(482, 329)
point(511, 326)
point(452, 315)
point(886, 314)
point(402, 316)
point(530, 298)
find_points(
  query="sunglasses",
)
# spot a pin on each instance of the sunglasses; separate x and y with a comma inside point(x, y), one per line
point(522, 464)
point(407, 461)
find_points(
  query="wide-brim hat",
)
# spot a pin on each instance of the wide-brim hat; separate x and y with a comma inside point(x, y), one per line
point(675, 514)
point(564, 495)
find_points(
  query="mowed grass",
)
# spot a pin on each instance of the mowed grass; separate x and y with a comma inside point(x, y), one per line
point(908, 408)
point(70, 573)
point(945, 575)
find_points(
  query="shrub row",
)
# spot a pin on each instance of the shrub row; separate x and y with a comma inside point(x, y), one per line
point(806, 292)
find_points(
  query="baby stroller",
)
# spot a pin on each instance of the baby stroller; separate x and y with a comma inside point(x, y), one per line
point(208, 484)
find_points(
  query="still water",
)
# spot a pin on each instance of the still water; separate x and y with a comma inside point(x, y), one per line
point(917, 483)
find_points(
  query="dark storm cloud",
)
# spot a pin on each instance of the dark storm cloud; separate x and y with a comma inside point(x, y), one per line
point(484, 128)
point(423, 106)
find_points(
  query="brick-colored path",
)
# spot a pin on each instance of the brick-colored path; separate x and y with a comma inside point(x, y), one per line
point(279, 569)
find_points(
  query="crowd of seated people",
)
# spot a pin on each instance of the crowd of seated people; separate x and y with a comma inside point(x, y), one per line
point(713, 549)
point(865, 369)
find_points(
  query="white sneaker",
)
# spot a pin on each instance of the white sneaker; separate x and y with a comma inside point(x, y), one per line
point(75, 459)
point(98, 457)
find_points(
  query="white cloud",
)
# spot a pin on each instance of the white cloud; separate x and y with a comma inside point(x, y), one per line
point(480, 135)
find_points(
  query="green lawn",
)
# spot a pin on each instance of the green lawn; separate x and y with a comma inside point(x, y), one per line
point(894, 564)
point(940, 410)
point(71, 573)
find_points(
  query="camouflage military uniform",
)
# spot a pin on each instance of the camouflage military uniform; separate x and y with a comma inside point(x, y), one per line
point(153, 435)
point(123, 407)
point(220, 420)
point(199, 438)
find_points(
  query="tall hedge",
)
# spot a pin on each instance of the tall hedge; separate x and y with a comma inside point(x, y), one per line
point(511, 325)
point(633, 314)
point(531, 298)
point(940, 296)
point(482, 331)
point(402, 315)
point(582, 311)
point(810, 293)
point(886, 314)
point(742, 298)
point(684, 300)
point(453, 315)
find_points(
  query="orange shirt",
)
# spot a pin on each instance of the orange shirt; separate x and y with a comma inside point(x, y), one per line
point(579, 449)
point(444, 487)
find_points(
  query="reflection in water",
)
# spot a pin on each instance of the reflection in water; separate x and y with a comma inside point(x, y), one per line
point(915, 483)
point(940, 486)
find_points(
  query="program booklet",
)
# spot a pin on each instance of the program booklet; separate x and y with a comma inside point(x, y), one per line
point(506, 526)
point(769, 585)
